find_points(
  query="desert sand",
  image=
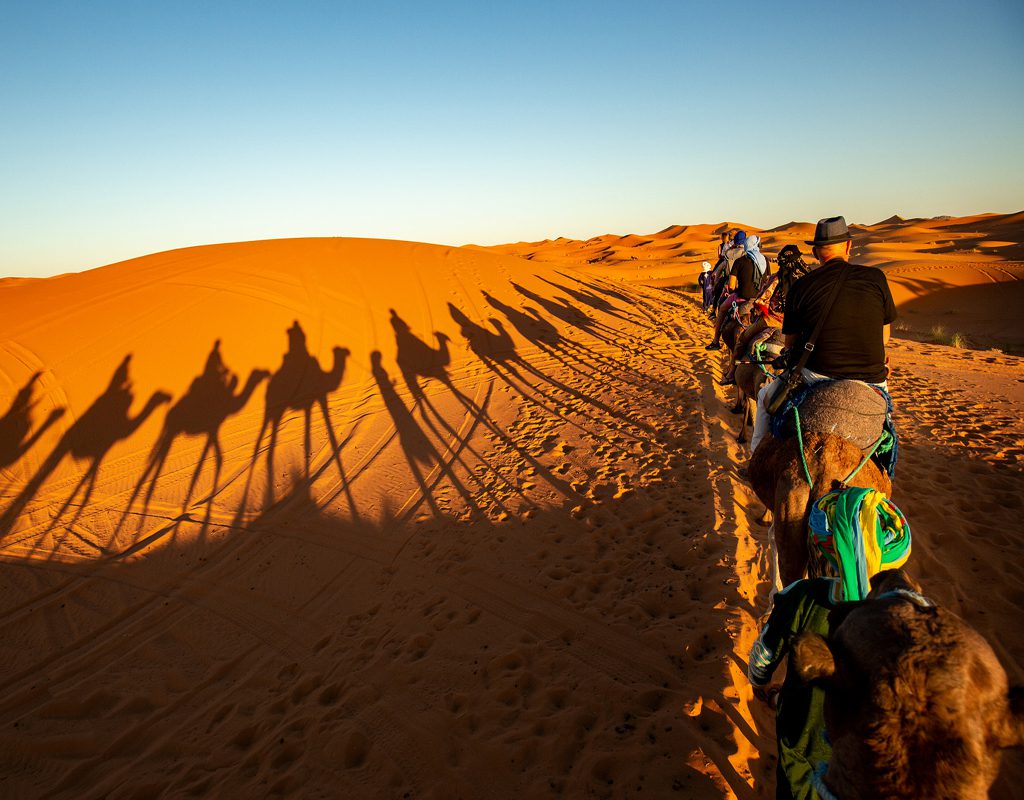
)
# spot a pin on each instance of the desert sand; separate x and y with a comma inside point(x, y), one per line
point(363, 518)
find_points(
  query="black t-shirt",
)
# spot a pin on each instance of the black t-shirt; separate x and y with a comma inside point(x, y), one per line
point(850, 343)
point(744, 271)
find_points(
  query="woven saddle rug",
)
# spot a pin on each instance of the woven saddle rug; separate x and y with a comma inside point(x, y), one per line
point(850, 409)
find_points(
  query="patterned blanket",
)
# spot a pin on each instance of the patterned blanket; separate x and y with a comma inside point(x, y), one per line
point(859, 532)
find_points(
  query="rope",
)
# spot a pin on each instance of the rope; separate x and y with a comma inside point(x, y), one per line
point(803, 460)
point(864, 460)
point(759, 358)
point(800, 441)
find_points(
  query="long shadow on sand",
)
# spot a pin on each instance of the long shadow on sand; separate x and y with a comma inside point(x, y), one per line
point(561, 309)
point(90, 437)
point(247, 640)
point(16, 434)
point(420, 364)
point(210, 400)
point(299, 384)
point(541, 333)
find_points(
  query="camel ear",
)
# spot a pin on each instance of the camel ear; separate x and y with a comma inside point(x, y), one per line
point(1012, 734)
point(812, 658)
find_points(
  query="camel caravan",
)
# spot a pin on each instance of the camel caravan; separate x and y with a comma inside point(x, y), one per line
point(885, 695)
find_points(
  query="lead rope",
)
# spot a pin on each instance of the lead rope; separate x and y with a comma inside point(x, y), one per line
point(864, 460)
point(759, 358)
point(803, 459)
point(800, 441)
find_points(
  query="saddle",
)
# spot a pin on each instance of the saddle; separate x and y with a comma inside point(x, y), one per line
point(851, 409)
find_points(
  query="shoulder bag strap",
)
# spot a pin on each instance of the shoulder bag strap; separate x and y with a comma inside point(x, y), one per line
point(809, 344)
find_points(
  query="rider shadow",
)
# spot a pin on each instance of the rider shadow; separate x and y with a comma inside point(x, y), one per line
point(419, 451)
point(210, 400)
point(496, 350)
point(299, 384)
point(545, 336)
point(588, 298)
point(105, 423)
point(420, 363)
point(563, 310)
point(598, 287)
point(16, 434)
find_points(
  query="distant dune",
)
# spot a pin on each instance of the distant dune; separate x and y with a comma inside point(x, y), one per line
point(920, 256)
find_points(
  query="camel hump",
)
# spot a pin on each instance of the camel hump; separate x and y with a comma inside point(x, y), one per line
point(850, 409)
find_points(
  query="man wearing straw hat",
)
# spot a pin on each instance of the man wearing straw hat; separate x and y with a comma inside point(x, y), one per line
point(851, 343)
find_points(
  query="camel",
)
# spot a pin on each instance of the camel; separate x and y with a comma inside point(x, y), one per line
point(777, 477)
point(916, 702)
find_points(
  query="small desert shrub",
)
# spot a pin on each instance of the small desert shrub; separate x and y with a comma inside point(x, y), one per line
point(939, 335)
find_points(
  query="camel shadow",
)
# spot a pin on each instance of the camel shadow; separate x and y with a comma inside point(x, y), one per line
point(546, 337)
point(419, 451)
point(89, 438)
point(419, 363)
point(16, 434)
point(584, 355)
point(299, 384)
point(596, 302)
point(496, 350)
point(210, 400)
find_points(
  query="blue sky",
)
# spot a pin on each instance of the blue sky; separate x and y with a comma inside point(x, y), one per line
point(134, 127)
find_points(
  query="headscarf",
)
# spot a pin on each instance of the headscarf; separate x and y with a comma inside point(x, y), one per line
point(859, 532)
point(750, 247)
point(705, 266)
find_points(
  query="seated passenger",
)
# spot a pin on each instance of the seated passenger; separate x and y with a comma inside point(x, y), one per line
point(851, 343)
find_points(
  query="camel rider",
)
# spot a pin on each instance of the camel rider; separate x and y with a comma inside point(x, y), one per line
point(851, 343)
point(791, 267)
point(746, 274)
point(765, 310)
point(730, 249)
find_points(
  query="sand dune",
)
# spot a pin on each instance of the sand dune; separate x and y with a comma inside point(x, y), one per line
point(355, 518)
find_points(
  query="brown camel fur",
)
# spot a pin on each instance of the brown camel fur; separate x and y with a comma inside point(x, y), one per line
point(779, 482)
point(916, 703)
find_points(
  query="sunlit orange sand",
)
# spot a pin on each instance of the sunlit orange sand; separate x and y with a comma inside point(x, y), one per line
point(358, 518)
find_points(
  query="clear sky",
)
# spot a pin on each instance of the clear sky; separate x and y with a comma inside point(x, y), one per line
point(132, 127)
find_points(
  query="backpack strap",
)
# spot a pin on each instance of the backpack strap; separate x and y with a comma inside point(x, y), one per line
point(808, 347)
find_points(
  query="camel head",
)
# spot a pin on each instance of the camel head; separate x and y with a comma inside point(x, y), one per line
point(443, 357)
point(333, 378)
point(916, 702)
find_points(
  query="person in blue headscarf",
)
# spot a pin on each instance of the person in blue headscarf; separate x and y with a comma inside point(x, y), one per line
point(744, 279)
point(751, 249)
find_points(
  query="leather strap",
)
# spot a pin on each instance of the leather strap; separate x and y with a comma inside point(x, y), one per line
point(808, 347)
